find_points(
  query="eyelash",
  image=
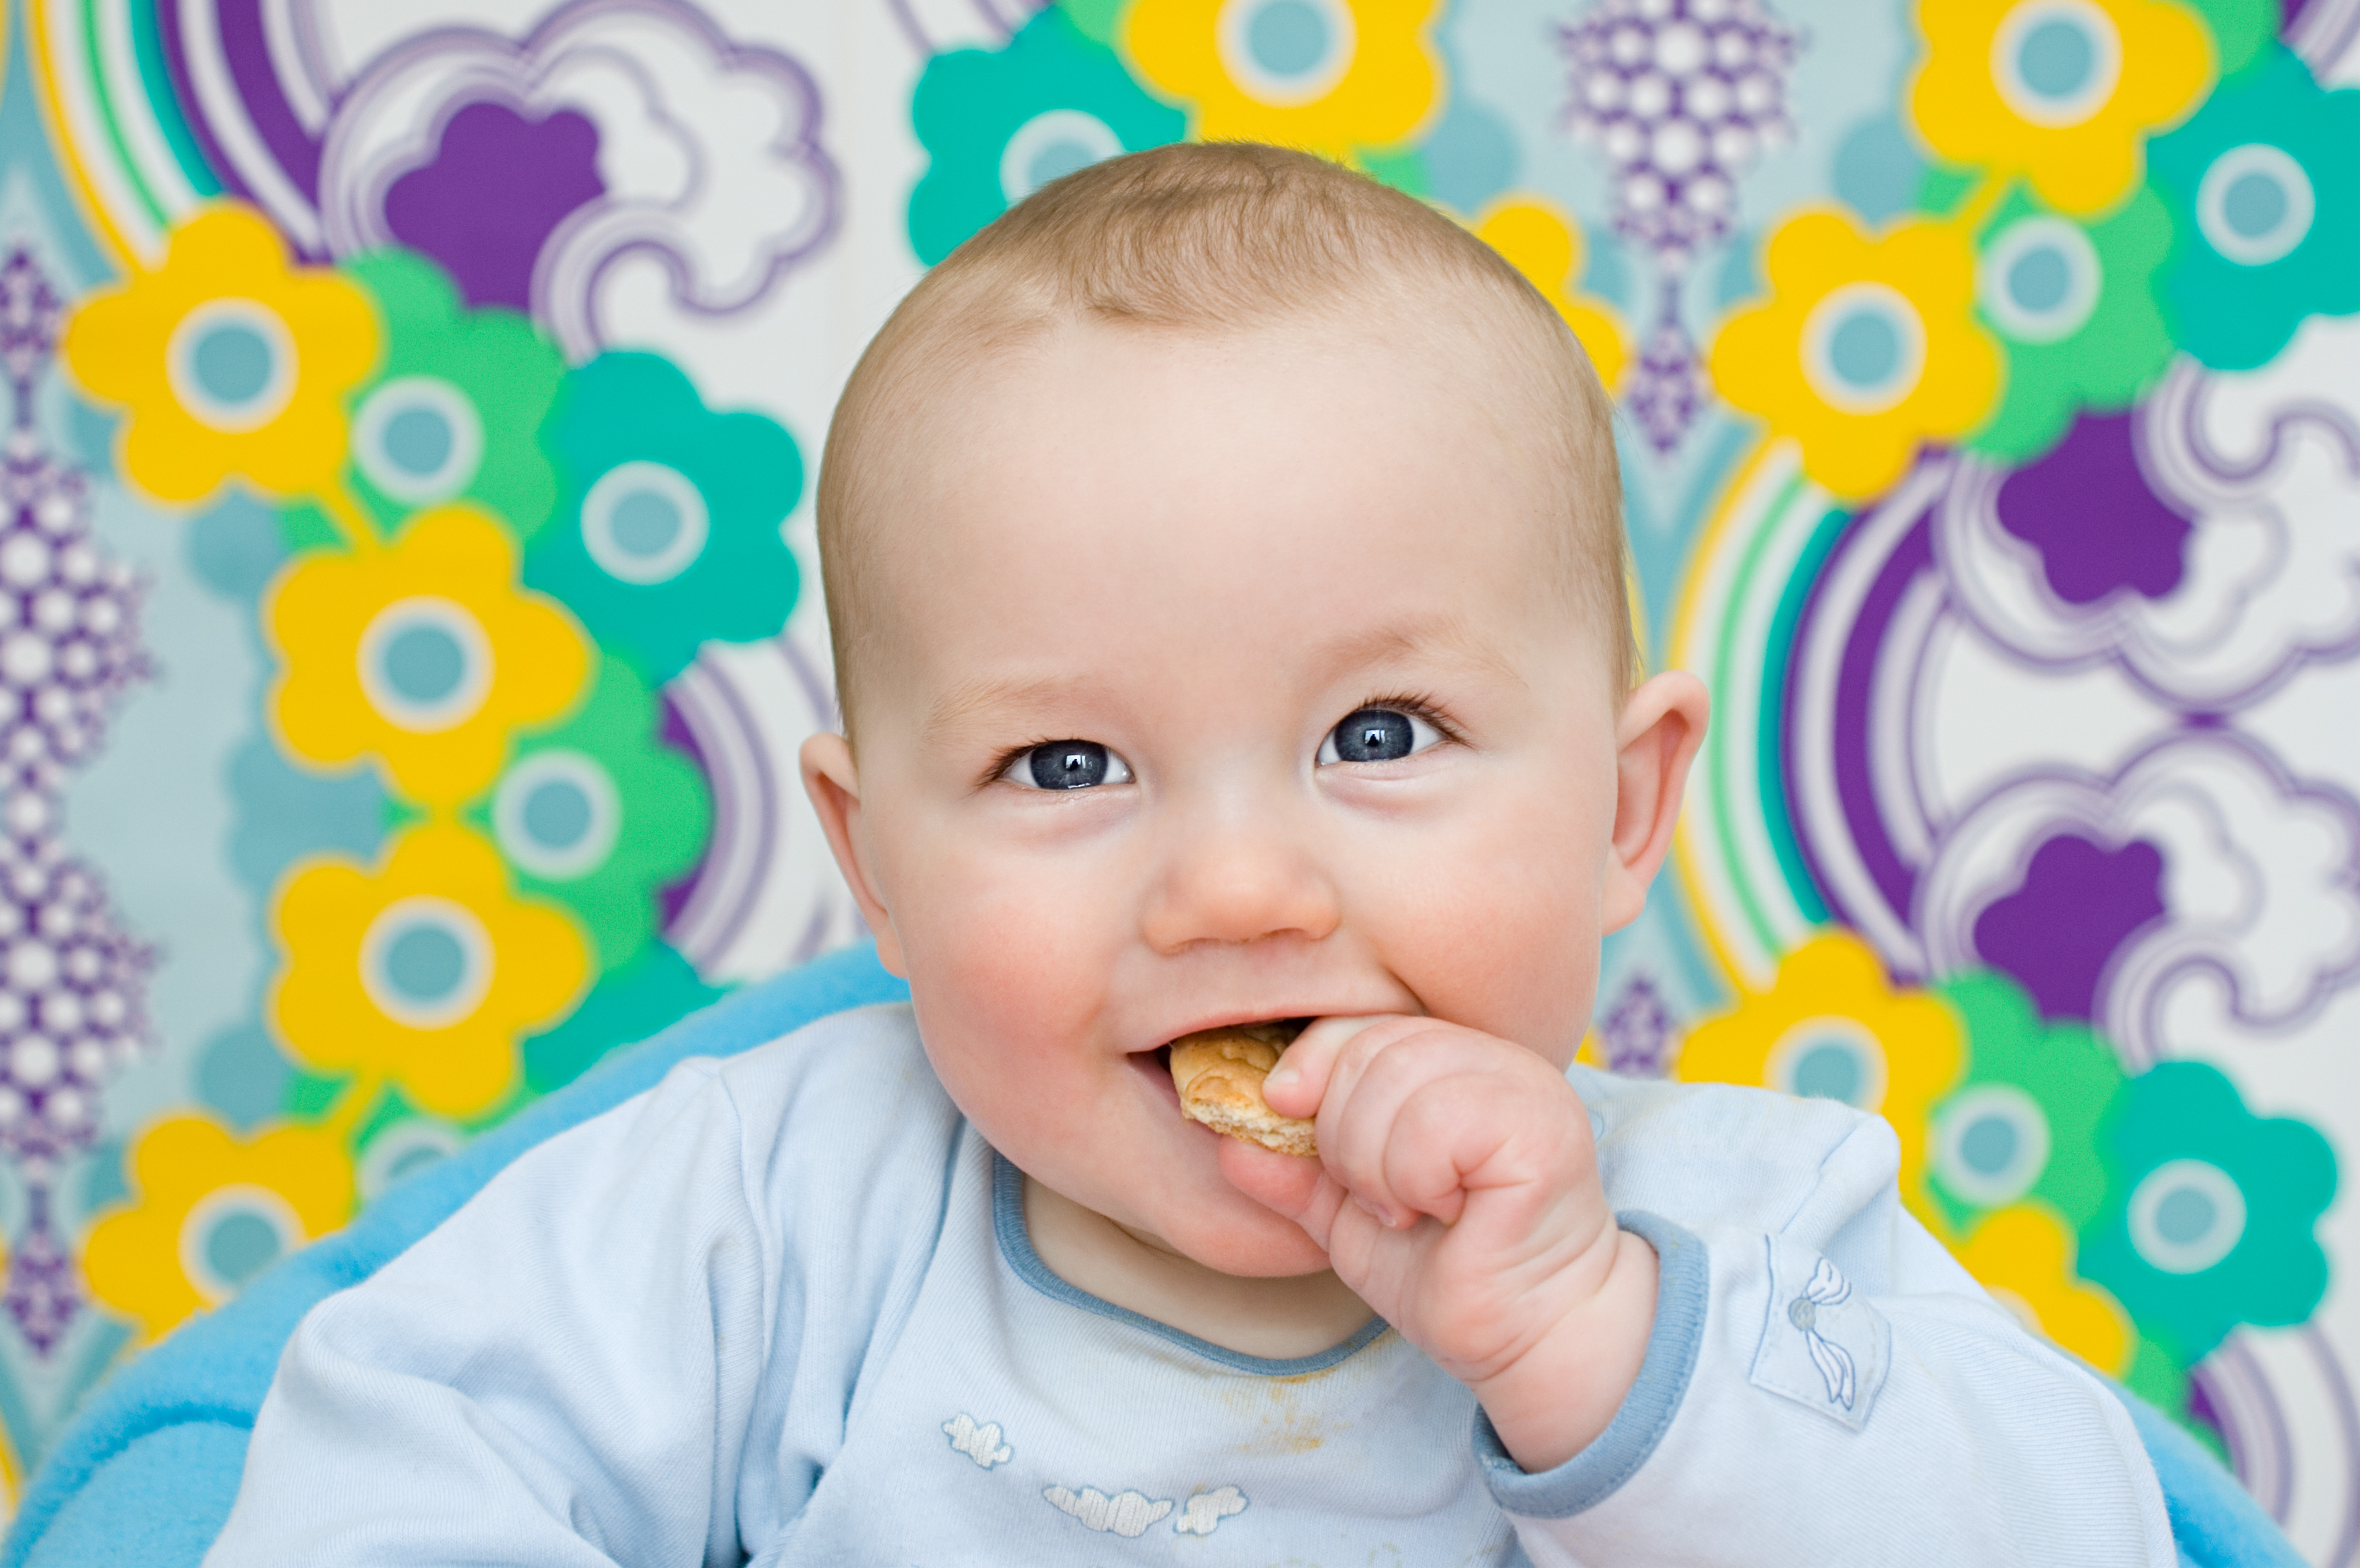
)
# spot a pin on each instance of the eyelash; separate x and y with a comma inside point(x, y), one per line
point(997, 766)
point(1420, 707)
point(1416, 707)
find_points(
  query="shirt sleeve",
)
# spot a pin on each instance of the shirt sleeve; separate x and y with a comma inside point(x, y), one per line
point(559, 1374)
point(1836, 1389)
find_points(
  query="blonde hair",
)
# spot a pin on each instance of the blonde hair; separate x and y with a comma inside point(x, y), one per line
point(1217, 237)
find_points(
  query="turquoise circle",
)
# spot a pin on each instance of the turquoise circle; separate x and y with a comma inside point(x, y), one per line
point(2039, 279)
point(232, 363)
point(2185, 1216)
point(557, 814)
point(424, 663)
point(1864, 350)
point(1058, 159)
point(240, 1245)
point(2056, 59)
point(418, 441)
point(644, 523)
point(1287, 37)
point(1988, 1145)
point(1829, 1072)
point(2253, 205)
point(425, 963)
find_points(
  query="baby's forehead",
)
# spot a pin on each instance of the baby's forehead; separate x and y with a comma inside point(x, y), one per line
point(1175, 488)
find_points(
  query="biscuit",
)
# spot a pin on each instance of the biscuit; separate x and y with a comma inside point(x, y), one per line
point(1218, 1073)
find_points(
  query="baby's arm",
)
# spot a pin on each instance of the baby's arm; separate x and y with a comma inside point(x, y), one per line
point(1963, 1441)
point(1817, 1381)
point(559, 1374)
point(1456, 1193)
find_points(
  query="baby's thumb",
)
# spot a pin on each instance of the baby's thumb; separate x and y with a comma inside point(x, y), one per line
point(1288, 1185)
point(1299, 1082)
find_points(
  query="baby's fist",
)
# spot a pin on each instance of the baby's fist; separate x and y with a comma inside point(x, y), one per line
point(1457, 1192)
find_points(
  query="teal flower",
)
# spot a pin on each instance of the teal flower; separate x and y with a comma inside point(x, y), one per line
point(668, 530)
point(2265, 196)
point(2022, 1123)
point(453, 410)
point(2073, 304)
point(2209, 1222)
point(998, 125)
point(642, 998)
point(598, 814)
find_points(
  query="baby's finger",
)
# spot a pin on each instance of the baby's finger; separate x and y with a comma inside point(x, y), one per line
point(1299, 1082)
point(1373, 1134)
point(1299, 1190)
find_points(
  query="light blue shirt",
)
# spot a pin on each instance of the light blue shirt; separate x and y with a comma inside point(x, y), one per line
point(783, 1309)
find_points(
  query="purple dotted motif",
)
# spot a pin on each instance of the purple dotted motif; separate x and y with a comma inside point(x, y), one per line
point(72, 984)
point(1638, 1032)
point(1681, 96)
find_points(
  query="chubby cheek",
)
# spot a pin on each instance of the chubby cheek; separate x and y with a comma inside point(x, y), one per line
point(1494, 921)
point(999, 951)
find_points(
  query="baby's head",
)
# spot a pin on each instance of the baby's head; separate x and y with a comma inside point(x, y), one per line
point(1225, 564)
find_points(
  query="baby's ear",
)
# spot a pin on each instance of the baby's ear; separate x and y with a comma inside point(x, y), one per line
point(1662, 725)
point(833, 781)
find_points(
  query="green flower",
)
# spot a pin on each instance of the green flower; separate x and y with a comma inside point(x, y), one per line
point(451, 412)
point(2209, 1222)
point(2266, 198)
point(667, 529)
point(598, 814)
point(2241, 29)
point(2022, 1123)
point(1000, 124)
point(639, 1000)
point(2074, 306)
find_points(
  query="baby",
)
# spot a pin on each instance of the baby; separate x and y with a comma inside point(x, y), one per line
point(1224, 562)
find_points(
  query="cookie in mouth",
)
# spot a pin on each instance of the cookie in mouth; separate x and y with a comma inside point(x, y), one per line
point(1218, 1073)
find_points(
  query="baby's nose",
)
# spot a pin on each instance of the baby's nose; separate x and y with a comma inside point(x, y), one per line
point(1239, 883)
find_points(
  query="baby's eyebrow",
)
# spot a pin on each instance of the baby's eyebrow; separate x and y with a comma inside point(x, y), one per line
point(997, 701)
point(1443, 637)
point(1004, 698)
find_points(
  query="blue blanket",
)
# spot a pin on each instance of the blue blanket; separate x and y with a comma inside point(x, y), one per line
point(147, 1474)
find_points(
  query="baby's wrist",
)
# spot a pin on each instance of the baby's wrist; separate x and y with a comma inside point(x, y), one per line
point(1556, 1398)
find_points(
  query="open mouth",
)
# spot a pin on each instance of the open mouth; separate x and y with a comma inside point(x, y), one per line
point(1157, 1063)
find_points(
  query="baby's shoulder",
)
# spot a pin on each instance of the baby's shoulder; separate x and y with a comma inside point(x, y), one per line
point(863, 1064)
point(819, 1126)
point(855, 1078)
point(1728, 1153)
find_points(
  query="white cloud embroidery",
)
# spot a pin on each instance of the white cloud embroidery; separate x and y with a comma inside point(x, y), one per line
point(1206, 1510)
point(980, 1443)
point(1128, 1513)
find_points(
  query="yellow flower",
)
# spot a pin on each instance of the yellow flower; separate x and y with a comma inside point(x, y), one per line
point(2062, 91)
point(1540, 242)
point(231, 361)
point(1831, 1027)
point(212, 1210)
point(426, 654)
point(1329, 76)
point(2024, 1256)
point(1865, 347)
point(424, 972)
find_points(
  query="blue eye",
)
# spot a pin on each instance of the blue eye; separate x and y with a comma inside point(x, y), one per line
point(1066, 764)
point(1377, 735)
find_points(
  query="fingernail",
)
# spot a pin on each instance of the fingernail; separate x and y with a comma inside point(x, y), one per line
point(1285, 1075)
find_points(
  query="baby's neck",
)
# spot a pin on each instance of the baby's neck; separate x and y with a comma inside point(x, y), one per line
point(1280, 1319)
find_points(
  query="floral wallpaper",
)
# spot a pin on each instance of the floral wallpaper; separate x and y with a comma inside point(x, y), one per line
point(407, 618)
